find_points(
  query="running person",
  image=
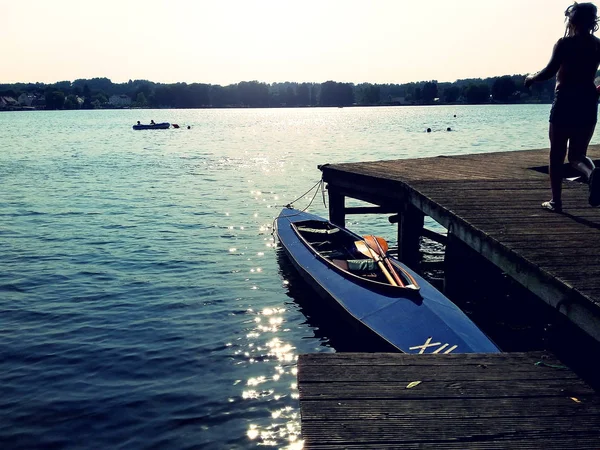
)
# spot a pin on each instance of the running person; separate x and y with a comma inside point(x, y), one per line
point(574, 112)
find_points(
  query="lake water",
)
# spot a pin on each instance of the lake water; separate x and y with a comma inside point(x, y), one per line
point(143, 301)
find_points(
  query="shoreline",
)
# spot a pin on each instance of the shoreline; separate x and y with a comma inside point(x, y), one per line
point(279, 107)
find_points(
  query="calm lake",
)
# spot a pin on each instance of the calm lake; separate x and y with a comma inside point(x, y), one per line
point(143, 300)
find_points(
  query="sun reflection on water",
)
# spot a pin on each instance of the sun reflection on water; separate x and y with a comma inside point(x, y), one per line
point(271, 383)
point(279, 386)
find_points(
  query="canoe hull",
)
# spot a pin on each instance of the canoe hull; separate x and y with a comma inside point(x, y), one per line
point(424, 323)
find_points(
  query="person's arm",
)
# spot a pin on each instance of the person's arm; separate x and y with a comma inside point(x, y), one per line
point(550, 70)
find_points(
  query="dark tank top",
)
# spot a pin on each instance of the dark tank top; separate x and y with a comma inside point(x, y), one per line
point(579, 57)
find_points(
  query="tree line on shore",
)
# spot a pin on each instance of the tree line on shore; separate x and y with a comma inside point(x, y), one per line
point(96, 92)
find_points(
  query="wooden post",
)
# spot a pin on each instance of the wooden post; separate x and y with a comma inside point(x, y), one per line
point(410, 226)
point(337, 206)
point(483, 279)
point(454, 267)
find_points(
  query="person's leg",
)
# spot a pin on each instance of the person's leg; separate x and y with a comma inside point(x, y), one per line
point(558, 150)
point(578, 145)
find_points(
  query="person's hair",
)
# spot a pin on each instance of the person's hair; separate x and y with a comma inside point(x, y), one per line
point(581, 17)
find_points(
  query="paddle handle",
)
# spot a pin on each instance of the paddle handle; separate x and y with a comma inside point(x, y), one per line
point(373, 241)
point(386, 273)
point(377, 258)
point(393, 272)
point(387, 261)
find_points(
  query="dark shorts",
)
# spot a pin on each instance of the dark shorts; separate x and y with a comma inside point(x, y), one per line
point(574, 108)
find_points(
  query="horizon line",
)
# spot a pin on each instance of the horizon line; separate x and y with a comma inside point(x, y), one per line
point(258, 81)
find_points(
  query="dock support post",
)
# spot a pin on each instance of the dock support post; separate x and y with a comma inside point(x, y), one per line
point(337, 207)
point(410, 227)
point(455, 264)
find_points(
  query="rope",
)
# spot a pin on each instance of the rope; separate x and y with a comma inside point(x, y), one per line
point(289, 205)
point(319, 185)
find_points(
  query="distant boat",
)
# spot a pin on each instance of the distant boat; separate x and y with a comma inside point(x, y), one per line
point(412, 317)
point(156, 126)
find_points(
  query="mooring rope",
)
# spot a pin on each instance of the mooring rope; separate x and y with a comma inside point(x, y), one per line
point(316, 185)
point(319, 185)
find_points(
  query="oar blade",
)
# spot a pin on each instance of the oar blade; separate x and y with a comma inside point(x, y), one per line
point(361, 246)
point(383, 243)
point(377, 243)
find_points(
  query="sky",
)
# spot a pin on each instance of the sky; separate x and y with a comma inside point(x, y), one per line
point(228, 41)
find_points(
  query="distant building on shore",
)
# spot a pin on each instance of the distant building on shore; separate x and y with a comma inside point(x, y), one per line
point(8, 102)
point(119, 100)
point(26, 99)
point(398, 101)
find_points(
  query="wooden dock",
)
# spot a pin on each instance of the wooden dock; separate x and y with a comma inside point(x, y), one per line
point(455, 401)
point(491, 203)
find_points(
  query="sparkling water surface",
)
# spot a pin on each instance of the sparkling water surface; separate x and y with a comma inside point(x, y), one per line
point(143, 300)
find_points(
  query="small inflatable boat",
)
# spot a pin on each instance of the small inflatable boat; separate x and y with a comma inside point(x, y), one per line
point(156, 126)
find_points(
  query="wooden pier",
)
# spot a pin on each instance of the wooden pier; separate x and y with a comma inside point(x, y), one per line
point(454, 401)
point(491, 203)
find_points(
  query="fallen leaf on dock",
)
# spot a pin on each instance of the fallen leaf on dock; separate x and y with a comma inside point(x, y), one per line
point(412, 384)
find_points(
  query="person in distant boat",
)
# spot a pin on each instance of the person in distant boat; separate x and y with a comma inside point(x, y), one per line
point(152, 122)
point(574, 112)
point(189, 128)
point(139, 122)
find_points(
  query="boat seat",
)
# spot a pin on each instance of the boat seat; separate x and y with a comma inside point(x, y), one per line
point(334, 254)
point(303, 230)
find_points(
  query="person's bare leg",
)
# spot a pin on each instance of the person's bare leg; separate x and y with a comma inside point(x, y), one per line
point(578, 145)
point(558, 150)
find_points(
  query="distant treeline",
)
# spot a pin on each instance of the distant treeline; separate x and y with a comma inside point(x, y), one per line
point(98, 92)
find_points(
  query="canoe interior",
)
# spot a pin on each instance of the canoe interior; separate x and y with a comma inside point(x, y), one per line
point(337, 246)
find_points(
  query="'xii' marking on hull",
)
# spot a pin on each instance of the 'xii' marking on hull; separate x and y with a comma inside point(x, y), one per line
point(441, 348)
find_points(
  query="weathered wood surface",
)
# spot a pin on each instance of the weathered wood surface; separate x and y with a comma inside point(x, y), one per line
point(464, 401)
point(492, 203)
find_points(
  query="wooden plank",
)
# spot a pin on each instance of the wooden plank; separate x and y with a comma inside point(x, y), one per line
point(361, 400)
point(390, 373)
point(576, 442)
point(445, 389)
point(377, 359)
point(545, 240)
point(467, 408)
point(484, 429)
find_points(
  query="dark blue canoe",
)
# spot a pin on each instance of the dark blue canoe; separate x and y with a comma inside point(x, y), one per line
point(156, 126)
point(413, 319)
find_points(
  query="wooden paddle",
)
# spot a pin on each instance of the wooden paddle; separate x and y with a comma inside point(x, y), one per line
point(366, 250)
point(380, 246)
